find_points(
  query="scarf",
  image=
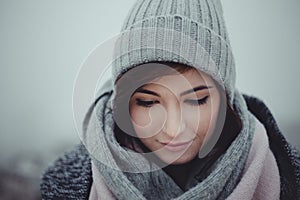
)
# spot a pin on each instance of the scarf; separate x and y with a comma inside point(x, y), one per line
point(129, 175)
point(260, 178)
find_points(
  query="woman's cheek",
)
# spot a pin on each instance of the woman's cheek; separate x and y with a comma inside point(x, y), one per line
point(198, 118)
point(140, 116)
point(148, 121)
point(192, 116)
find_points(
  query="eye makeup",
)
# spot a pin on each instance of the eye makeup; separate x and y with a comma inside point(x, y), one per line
point(197, 102)
point(193, 102)
point(146, 103)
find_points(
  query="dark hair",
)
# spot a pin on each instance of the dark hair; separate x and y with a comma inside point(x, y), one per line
point(229, 129)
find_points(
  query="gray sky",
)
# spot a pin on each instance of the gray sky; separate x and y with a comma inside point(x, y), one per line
point(43, 44)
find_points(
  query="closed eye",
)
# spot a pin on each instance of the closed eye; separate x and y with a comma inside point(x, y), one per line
point(197, 102)
point(146, 103)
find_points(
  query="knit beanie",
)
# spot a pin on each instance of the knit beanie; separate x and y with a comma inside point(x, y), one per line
point(190, 32)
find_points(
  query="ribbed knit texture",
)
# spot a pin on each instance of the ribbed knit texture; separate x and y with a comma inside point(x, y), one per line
point(189, 32)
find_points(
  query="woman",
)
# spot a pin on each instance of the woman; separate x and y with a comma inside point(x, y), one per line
point(172, 125)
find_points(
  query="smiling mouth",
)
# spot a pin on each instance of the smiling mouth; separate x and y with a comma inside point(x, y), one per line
point(179, 146)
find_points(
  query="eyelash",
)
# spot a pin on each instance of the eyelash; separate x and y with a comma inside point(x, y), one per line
point(196, 102)
point(145, 103)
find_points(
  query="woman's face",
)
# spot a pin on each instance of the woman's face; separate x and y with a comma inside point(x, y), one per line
point(174, 115)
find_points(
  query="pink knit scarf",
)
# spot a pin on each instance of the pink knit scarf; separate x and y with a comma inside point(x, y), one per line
point(260, 177)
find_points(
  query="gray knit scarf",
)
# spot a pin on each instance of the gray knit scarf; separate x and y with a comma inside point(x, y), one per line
point(129, 175)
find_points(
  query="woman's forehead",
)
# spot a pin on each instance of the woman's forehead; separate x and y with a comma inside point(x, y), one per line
point(178, 83)
point(187, 78)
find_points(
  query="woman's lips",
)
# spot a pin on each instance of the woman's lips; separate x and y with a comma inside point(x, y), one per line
point(178, 146)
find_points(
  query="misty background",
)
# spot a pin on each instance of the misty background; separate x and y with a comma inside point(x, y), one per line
point(43, 43)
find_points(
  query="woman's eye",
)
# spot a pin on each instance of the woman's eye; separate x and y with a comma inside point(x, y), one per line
point(197, 102)
point(145, 103)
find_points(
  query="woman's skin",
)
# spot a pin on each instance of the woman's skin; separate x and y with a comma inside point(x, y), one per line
point(174, 115)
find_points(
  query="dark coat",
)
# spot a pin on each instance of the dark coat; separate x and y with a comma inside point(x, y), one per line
point(70, 176)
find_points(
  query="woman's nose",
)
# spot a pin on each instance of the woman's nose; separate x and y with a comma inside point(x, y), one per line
point(174, 122)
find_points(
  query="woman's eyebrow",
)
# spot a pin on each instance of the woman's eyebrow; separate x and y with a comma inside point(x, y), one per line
point(141, 90)
point(195, 89)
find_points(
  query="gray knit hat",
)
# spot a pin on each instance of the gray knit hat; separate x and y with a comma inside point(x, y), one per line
point(190, 32)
